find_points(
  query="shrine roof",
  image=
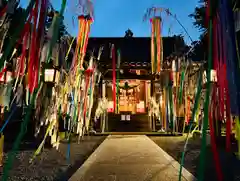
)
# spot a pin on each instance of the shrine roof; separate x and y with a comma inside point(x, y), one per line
point(133, 49)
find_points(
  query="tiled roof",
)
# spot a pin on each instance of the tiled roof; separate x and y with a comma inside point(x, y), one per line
point(134, 49)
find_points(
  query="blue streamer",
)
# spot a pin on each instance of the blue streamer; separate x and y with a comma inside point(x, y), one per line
point(68, 150)
point(8, 119)
point(227, 20)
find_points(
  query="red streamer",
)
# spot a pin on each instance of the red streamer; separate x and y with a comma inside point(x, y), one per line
point(3, 11)
point(114, 77)
point(188, 110)
point(24, 50)
point(213, 142)
point(88, 74)
point(32, 60)
point(26, 28)
point(3, 71)
point(39, 37)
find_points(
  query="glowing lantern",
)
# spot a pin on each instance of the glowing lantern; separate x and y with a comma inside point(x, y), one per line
point(51, 74)
point(213, 76)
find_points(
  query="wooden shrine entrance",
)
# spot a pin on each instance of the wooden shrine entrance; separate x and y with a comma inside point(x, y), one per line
point(132, 109)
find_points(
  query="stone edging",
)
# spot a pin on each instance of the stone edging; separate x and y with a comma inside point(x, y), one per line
point(78, 175)
point(185, 173)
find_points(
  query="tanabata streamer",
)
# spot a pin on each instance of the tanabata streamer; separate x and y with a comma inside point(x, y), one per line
point(118, 74)
point(231, 59)
point(206, 103)
point(15, 37)
point(32, 60)
point(156, 45)
point(196, 104)
point(113, 53)
point(82, 23)
point(11, 155)
point(56, 22)
point(152, 45)
point(213, 142)
point(89, 21)
point(158, 37)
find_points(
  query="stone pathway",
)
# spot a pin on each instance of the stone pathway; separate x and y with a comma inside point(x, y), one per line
point(129, 158)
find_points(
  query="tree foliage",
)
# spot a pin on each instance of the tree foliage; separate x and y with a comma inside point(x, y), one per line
point(128, 33)
point(49, 20)
point(199, 14)
point(199, 17)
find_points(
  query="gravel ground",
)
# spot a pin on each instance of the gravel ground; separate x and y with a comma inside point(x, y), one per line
point(174, 146)
point(230, 165)
point(52, 165)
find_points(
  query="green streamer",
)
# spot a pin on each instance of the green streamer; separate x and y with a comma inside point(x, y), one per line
point(171, 107)
point(196, 105)
point(182, 84)
point(118, 74)
point(181, 87)
point(56, 22)
point(15, 37)
point(206, 103)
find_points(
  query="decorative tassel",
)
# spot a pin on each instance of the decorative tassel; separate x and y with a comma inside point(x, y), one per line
point(79, 40)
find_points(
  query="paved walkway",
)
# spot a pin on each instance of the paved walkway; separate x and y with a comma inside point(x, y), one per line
point(129, 158)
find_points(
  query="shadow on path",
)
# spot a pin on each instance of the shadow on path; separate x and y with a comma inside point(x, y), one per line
point(81, 158)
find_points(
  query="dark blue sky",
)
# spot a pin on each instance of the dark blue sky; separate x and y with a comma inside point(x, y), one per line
point(114, 17)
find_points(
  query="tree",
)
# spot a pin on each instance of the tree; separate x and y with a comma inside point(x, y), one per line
point(199, 17)
point(199, 14)
point(62, 28)
point(128, 34)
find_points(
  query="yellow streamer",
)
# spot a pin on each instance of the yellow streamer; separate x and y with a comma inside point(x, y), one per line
point(238, 134)
point(37, 152)
point(69, 49)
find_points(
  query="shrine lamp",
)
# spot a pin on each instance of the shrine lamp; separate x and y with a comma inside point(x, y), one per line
point(7, 75)
point(51, 73)
point(213, 76)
